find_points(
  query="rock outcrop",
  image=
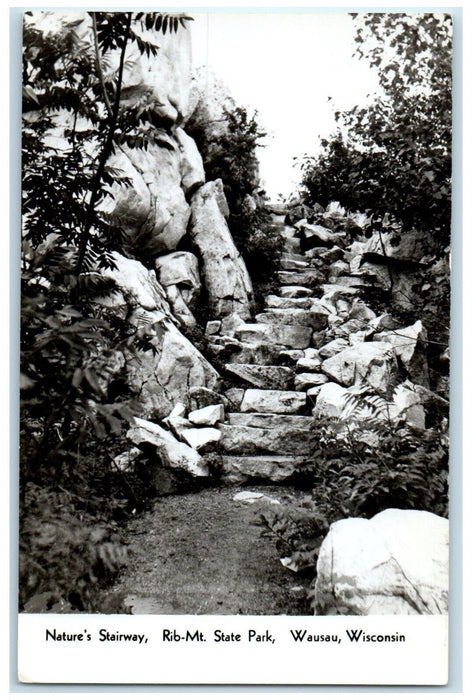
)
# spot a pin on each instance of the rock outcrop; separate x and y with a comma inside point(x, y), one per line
point(396, 563)
point(224, 273)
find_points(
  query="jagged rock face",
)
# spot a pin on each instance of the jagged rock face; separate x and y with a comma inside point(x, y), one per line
point(152, 209)
point(136, 286)
point(162, 375)
point(209, 98)
point(162, 80)
point(371, 363)
point(225, 275)
point(394, 564)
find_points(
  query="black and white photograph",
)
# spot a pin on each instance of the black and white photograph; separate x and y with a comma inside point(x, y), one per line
point(235, 329)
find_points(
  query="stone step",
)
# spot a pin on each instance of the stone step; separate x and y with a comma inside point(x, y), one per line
point(263, 376)
point(294, 256)
point(246, 440)
point(295, 291)
point(271, 420)
point(289, 336)
point(274, 468)
point(291, 264)
point(275, 302)
point(316, 319)
point(273, 401)
point(305, 278)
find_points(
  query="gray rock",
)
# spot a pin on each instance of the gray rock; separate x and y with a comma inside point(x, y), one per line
point(396, 563)
point(201, 439)
point(172, 453)
point(212, 327)
point(275, 468)
point(209, 415)
point(226, 278)
point(291, 291)
point(333, 348)
point(305, 364)
point(244, 439)
point(371, 363)
point(411, 246)
point(316, 318)
point(263, 376)
point(305, 278)
point(275, 302)
point(234, 397)
point(306, 380)
point(291, 336)
point(330, 400)
point(181, 269)
point(164, 374)
point(409, 345)
point(271, 401)
point(271, 420)
point(202, 396)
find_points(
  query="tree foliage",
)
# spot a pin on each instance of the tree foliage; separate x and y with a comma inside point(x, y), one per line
point(393, 156)
point(75, 400)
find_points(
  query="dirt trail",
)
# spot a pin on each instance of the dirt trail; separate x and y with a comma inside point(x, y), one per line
point(202, 553)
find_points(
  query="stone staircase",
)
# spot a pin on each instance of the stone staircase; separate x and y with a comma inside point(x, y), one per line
point(268, 429)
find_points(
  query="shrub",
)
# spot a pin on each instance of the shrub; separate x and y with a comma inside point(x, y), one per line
point(355, 475)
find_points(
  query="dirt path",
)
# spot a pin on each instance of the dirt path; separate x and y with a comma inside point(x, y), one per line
point(202, 553)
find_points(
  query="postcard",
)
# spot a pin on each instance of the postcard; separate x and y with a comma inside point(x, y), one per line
point(235, 321)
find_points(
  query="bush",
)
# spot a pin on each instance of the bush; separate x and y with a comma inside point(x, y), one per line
point(353, 474)
point(67, 555)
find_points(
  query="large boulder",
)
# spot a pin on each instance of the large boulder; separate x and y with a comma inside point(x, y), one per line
point(151, 205)
point(226, 278)
point(136, 285)
point(407, 247)
point(162, 82)
point(409, 345)
point(364, 363)
point(164, 373)
point(396, 563)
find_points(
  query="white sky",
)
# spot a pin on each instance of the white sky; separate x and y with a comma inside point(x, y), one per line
point(285, 65)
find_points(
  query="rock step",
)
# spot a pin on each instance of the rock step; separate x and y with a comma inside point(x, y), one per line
point(275, 302)
point(275, 468)
point(247, 440)
point(271, 420)
point(309, 277)
point(256, 353)
point(263, 376)
point(293, 336)
point(297, 257)
point(289, 264)
point(294, 291)
point(316, 319)
point(272, 401)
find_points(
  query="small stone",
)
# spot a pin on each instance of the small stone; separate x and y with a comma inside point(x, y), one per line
point(268, 401)
point(212, 327)
point(209, 415)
